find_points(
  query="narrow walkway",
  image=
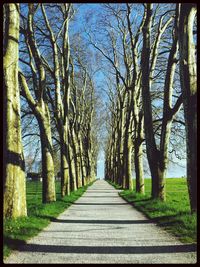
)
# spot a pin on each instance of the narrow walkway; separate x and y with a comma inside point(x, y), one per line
point(100, 227)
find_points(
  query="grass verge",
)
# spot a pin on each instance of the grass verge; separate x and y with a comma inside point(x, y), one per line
point(174, 214)
point(116, 186)
point(17, 231)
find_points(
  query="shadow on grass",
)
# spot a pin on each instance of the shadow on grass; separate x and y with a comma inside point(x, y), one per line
point(141, 200)
point(48, 217)
point(13, 243)
point(168, 220)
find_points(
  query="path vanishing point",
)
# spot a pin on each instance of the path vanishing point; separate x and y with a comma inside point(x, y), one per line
point(101, 227)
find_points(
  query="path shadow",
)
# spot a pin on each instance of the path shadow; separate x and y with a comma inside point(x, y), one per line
point(100, 196)
point(109, 204)
point(102, 190)
point(108, 249)
point(91, 191)
point(101, 221)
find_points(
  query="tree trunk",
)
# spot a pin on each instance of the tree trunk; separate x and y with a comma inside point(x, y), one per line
point(41, 111)
point(76, 158)
point(120, 145)
point(65, 178)
point(168, 111)
point(127, 178)
point(48, 177)
point(189, 89)
point(62, 129)
point(139, 167)
point(129, 182)
point(82, 163)
point(138, 153)
point(152, 151)
point(14, 167)
point(65, 188)
point(72, 170)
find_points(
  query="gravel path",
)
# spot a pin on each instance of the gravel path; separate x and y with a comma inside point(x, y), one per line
point(101, 227)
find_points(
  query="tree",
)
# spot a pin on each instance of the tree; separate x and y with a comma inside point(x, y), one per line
point(128, 118)
point(51, 59)
point(61, 107)
point(188, 77)
point(14, 167)
point(39, 107)
point(158, 156)
point(74, 128)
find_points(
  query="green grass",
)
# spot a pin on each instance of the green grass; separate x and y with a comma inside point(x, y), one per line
point(116, 186)
point(174, 214)
point(17, 231)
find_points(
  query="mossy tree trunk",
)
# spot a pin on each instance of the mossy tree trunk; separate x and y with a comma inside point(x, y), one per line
point(65, 183)
point(138, 155)
point(135, 87)
point(13, 164)
point(59, 110)
point(127, 145)
point(39, 107)
point(48, 178)
point(41, 112)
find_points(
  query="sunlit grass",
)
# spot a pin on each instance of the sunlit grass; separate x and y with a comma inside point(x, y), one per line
point(17, 231)
point(174, 214)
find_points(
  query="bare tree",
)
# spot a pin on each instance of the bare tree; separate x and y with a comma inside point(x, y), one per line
point(40, 107)
point(158, 157)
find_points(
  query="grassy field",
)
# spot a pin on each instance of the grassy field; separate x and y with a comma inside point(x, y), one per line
point(174, 214)
point(16, 232)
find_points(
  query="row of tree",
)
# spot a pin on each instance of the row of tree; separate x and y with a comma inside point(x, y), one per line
point(57, 87)
point(145, 55)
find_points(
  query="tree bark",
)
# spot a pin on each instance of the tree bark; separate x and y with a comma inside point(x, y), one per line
point(152, 151)
point(14, 166)
point(48, 178)
point(65, 185)
point(158, 159)
point(82, 163)
point(41, 111)
point(189, 89)
point(62, 119)
point(138, 154)
point(127, 178)
point(168, 111)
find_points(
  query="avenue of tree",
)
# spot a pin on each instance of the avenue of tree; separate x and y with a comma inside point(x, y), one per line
point(150, 57)
point(133, 121)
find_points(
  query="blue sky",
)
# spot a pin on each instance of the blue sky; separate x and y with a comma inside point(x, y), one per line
point(174, 170)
